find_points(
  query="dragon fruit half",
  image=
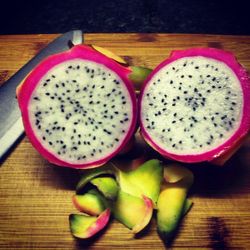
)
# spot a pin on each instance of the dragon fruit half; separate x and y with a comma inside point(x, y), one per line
point(78, 108)
point(194, 106)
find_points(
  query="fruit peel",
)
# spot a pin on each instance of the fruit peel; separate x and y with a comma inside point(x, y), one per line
point(172, 203)
point(133, 212)
point(89, 174)
point(107, 186)
point(144, 180)
point(84, 226)
point(91, 203)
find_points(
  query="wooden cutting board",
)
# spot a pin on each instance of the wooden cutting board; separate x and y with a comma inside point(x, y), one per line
point(35, 197)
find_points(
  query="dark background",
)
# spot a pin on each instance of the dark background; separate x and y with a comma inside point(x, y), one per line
point(169, 16)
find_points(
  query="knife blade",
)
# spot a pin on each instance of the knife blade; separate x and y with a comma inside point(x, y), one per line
point(11, 127)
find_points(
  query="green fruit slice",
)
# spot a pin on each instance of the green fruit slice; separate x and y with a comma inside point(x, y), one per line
point(172, 203)
point(107, 186)
point(92, 202)
point(133, 212)
point(144, 180)
point(84, 226)
point(90, 174)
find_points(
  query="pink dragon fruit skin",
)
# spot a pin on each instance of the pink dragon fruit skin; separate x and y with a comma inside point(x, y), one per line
point(221, 151)
point(81, 52)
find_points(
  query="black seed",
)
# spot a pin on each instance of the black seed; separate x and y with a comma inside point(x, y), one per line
point(91, 102)
point(173, 145)
point(47, 93)
point(196, 67)
point(171, 82)
point(50, 143)
point(106, 131)
point(195, 90)
point(233, 103)
point(163, 130)
point(170, 139)
point(180, 142)
point(185, 92)
point(169, 129)
point(124, 102)
point(175, 114)
point(44, 138)
point(182, 76)
point(173, 122)
point(102, 87)
point(208, 143)
point(215, 124)
point(190, 76)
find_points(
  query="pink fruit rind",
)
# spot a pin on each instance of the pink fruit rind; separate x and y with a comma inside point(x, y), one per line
point(230, 60)
point(100, 223)
point(82, 52)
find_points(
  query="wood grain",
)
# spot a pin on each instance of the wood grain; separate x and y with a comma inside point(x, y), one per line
point(35, 197)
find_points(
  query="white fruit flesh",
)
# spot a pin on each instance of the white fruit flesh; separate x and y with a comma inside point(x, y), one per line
point(80, 111)
point(192, 105)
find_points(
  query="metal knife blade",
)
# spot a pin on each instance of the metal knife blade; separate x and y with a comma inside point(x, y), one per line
point(11, 127)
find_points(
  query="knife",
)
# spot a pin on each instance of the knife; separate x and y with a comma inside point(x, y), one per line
point(11, 126)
